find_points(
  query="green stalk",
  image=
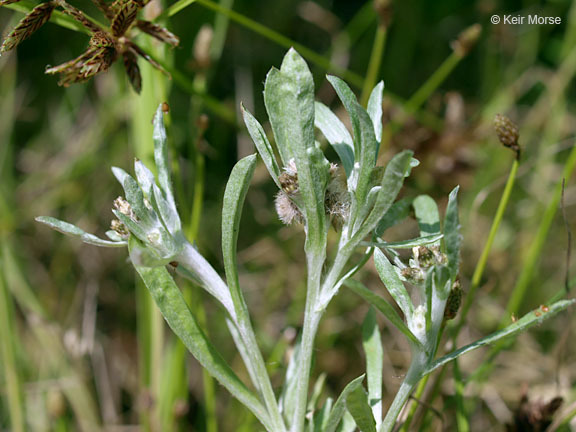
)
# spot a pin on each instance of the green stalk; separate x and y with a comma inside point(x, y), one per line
point(8, 350)
point(272, 35)
point(461, 419)
point(437, 78)
point(481, 265)
point(375, 63)
point(311, 320)
point(537, 244)
point(413, 376)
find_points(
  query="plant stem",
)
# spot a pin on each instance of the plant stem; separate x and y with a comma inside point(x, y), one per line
point(374, 65)
point(8, 350)
point(481, 265)
point(537, 244)
point(412, 377)
point(311, 320)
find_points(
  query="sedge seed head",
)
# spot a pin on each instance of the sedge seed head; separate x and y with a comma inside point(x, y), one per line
point(507, 132)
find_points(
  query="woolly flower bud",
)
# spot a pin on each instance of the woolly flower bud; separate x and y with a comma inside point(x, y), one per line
point(454, 301)
point(125, 208)
point(120, 228)
point(507, 132)
point(287, 210)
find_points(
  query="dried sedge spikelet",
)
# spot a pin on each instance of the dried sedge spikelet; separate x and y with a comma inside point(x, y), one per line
point(28, 26)
point(7, 2)
point(124, 18)
point(412, 274)
point(158, 32)
point(384, 10)
point(120, 228)
point(132, 46)
point(507, 132)
point(454, 301)
point(132, 70)
point(466, 40)
point(78, 15)
point(288, 211)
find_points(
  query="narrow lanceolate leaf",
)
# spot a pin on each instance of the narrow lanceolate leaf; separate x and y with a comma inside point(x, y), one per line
point(132, 70)
point(452, 237)
point(427, 215)
point(375, 109)
point(359, 408)
point(372, 343)
point(74, 231)
point(124, 18)
point(340, 405)
point(365, 145)
point(399, 211)
point(159, 32)
point(336, 134)
point(383, 306)
point(234, 196)
point(289, 99)
point(406, 244)
point(392, 181)
point(535, 317)
point(263, 146)
point(393, 283)
point(171, 303)
point(161, 153)
point(289, 398)
point(28, 26)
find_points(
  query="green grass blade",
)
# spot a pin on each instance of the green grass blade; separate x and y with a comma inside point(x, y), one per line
point(532, 318)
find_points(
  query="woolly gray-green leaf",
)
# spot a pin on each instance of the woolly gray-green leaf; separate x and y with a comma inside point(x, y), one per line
point(393, 283)
point(289, 389)
point(144, 177)
point(392, 182)
point(262, 144)
point(74, 231)
point(365, 145)
point(336, 134)
point(289, 100)
point(427, 215)
point(452, 237)
point(177, 314)
point(383, 306)
point(372, 343)
point(532, 318)
point(359, 408)
point(406, 244)
point(234, 196)
point(374, 109)
point(340, 405)
point(397, 212)
point(161, 152)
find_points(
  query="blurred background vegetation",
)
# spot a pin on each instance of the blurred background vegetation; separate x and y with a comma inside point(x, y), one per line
point(83, 347)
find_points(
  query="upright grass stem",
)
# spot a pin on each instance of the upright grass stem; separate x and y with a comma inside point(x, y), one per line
point(537, 244)
point(375, 63)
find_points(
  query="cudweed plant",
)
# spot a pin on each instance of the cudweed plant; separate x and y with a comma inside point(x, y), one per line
point(358, 202)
